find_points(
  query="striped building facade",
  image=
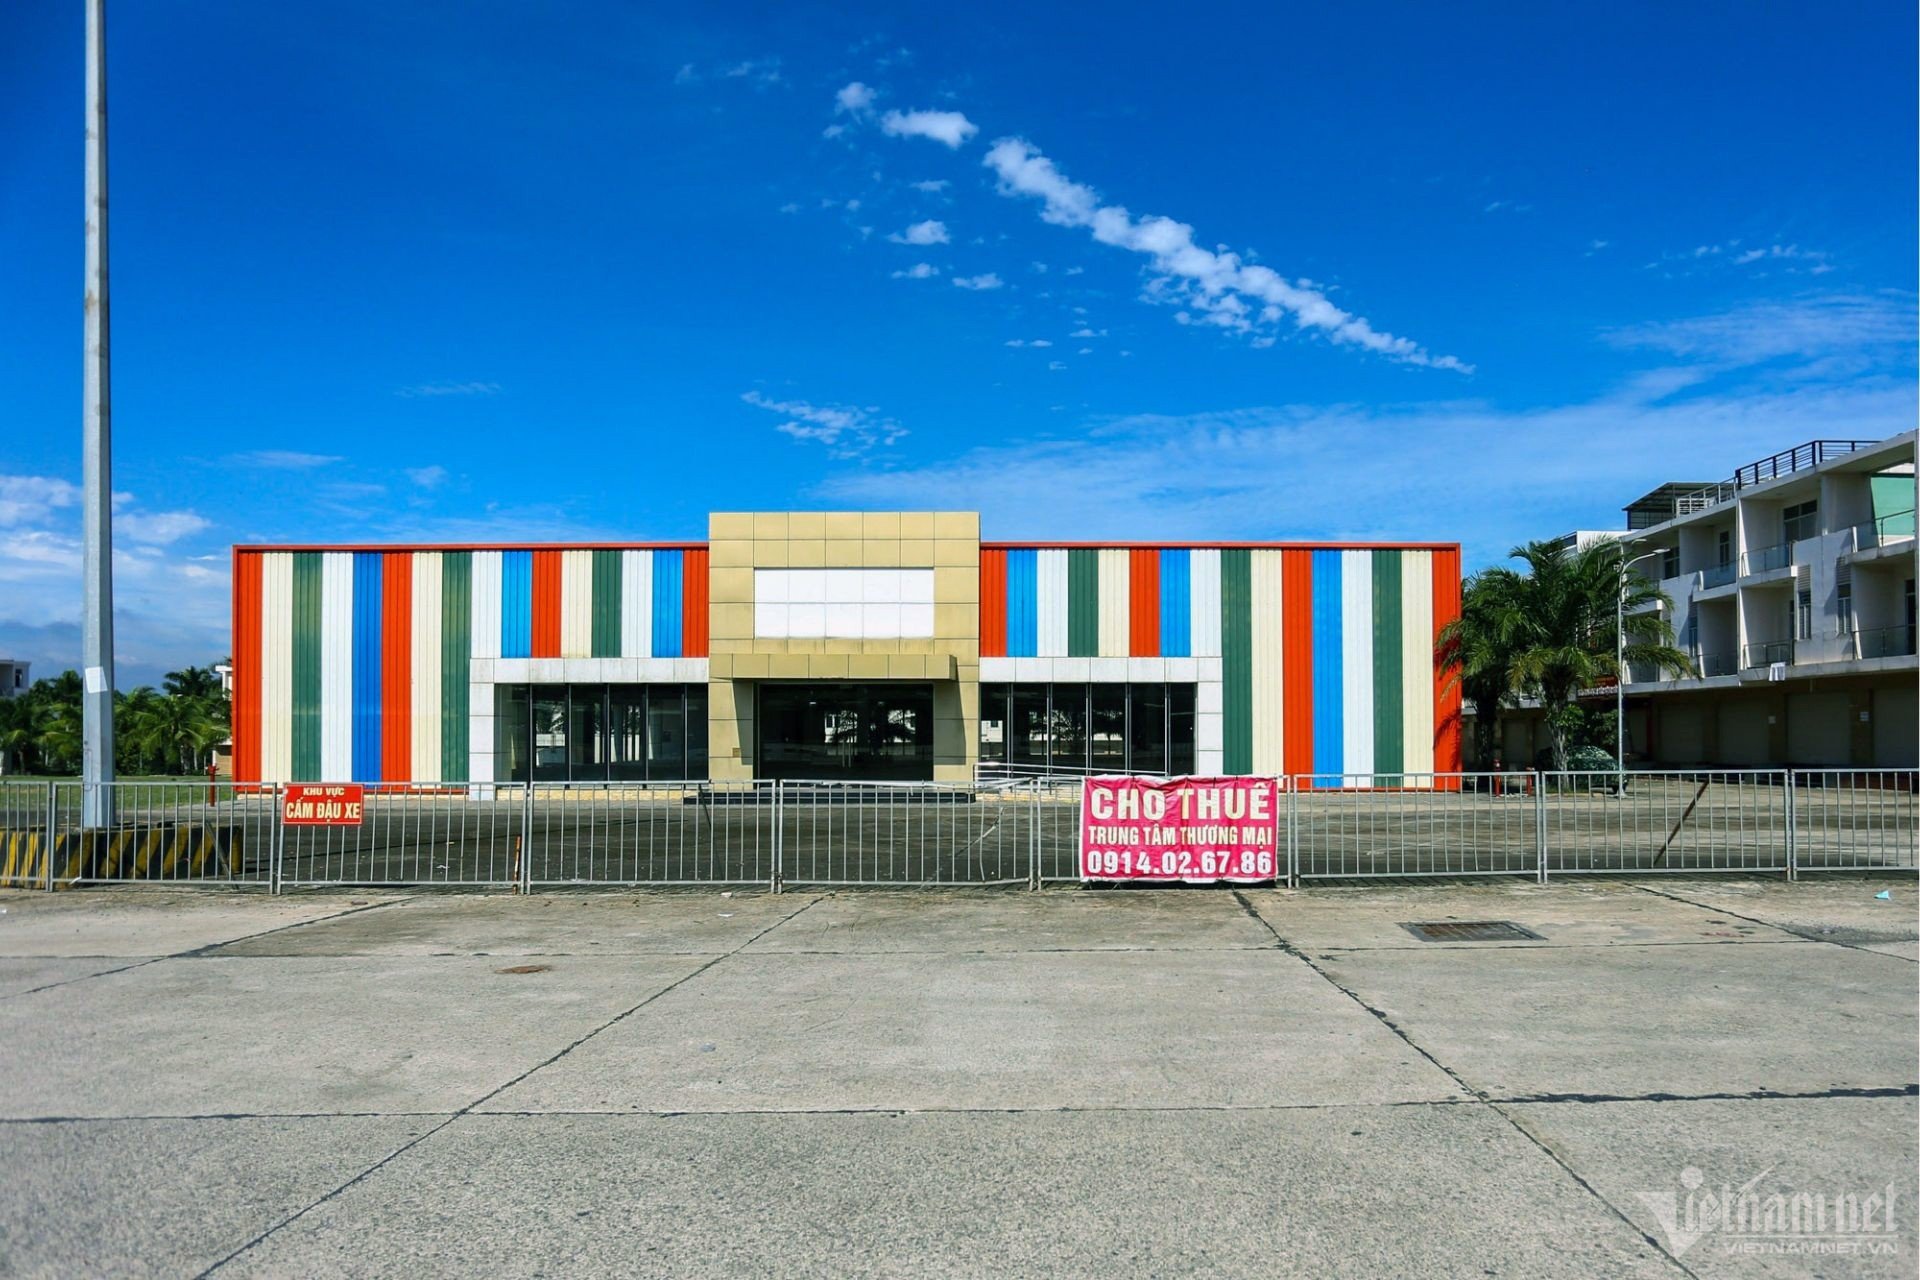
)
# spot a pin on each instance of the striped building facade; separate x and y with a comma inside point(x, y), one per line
point(394, 665)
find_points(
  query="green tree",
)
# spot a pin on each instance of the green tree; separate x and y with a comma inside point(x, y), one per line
point(172, 730)
point(1476, 650)
point(1561, 620)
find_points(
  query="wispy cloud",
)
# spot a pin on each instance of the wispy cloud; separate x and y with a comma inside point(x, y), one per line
point(429, 477)
point(1028, 342)
point(1508, 206)
point(762, 73)
point(283, 459)
point(932, 231)
point(949, 128)
point(1859, 326)
point(846, 431)
point(449, 389)
point(918, 271)
point(931, 186)
point(985, 280)
point(1788, 259)
point(1209, 287)
point(1289, 470)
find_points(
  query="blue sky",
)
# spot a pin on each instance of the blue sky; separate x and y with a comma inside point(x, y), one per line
point(519, 270)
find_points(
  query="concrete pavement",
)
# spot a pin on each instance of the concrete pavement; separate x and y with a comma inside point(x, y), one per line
point(1269, 1082)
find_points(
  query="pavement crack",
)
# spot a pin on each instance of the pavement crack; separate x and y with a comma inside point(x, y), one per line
point(199, 952)
point(1808, 937)
point(395, 1154)
point(1492, 1104)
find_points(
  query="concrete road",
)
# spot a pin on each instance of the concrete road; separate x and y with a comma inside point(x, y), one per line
point(1269, 1083)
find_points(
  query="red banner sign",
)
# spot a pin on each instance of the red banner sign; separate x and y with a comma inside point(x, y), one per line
point(306, 804)
point(1192, 829)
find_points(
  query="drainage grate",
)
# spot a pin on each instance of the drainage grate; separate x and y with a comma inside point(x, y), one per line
point(1470, 931)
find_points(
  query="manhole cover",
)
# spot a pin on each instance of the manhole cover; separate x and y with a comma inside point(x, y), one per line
point(1469, 931)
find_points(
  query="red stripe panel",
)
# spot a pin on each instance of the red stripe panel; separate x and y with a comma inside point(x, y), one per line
point(546, 604)
point(1143, 603)
point(993, 604)
point(396, 667)
point(1446, 691)
point(693, 603)
point(246, 667)
point(1296, 660)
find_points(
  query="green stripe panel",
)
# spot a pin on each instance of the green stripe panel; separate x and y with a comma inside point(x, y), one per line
point(456, 648)
point(306, 666)
point(1389, 747)
point(1083, 604)
point(606, 604)
point(1236, 660)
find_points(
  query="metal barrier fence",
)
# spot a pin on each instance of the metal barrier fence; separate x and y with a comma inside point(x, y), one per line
point(1422, 824)
point(989, 832)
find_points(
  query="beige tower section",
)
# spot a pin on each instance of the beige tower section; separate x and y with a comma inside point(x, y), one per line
point(946, 542)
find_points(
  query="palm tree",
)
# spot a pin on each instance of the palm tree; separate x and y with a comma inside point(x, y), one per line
point(1476, 650)
point(1561, 616)
point(172, 729)
point(19, 731)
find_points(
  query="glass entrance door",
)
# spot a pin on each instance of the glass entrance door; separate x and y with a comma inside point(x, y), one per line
point(882, 732)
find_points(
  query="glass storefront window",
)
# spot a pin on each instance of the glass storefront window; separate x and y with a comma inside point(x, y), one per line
point(1147, 728)
point(1028, 726)
point(1067, 728)
point(993, 723)
point(596, 732)
point(1107, 728)
point(1180, 728)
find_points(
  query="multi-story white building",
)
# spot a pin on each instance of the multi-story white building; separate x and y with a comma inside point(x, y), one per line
point(13, 678)
point(1793, 590)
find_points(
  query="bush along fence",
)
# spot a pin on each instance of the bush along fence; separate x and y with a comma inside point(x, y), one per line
point(1013, 832)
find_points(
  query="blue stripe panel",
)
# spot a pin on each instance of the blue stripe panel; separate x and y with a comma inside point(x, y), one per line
point(367, 574)
point(1329, 726)
point(1176, 603)
point(666, 604)
point(516, 604)
point(1023, 603)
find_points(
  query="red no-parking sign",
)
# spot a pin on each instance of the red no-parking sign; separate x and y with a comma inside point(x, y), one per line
point(333, 804)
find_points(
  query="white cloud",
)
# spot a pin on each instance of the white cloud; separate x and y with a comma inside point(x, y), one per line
point(947, 127)
point(158, 528)
point(1212, 287)
point(1857, 326)
point(932, 231)
point(918, 271)
point(1055, 366)
point(28, 499)
point(1787, 259)
point(1023, 342)
point(846, 431)
point(284, 459)
point(932, 186)
point(853, 99)
point(985, 280)
point(429, 477)
point(1509, 205)
point(763, 72)
point(1088, 333)
point(1396, 471)
point(449, 389)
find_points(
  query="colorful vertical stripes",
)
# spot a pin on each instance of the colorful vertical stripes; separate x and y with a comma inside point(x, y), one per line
point(355, 665)
point(1324, 654)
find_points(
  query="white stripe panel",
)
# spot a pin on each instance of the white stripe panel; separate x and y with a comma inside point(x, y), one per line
point(1051, 587)
point(576, 603)
point(276, 663)
point(484, 635)
point(1356, 657)
point(1116, 594)
point(425, 763)
point(336, 667)
point(1269, 710)
point(1416, 661)
point(1203, 591)
point(636, 604)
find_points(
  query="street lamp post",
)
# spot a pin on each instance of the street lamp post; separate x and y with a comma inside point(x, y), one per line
point(96, 640)
point(1620, 673)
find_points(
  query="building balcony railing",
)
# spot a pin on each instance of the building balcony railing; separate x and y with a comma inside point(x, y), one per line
point(1765, 654)
point(1715, 664)
point(1717, 576)
point(1774, 557)
point(1785, 463)
point(1878, 533)
point(1883, 642)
